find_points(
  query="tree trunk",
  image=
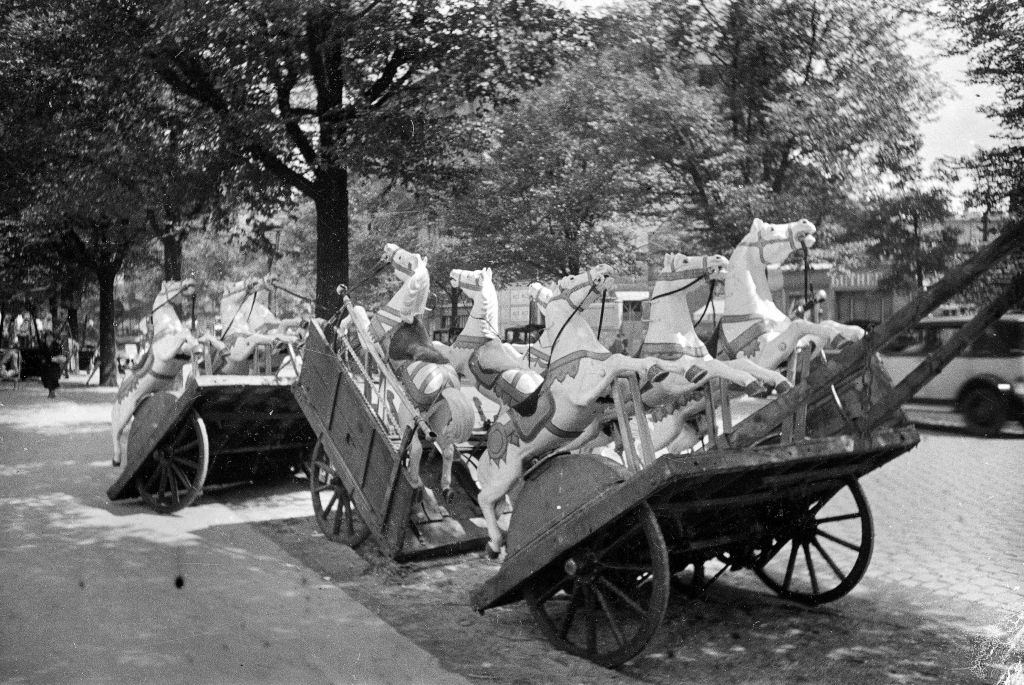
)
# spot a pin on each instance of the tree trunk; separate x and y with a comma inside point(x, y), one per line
point(331, 201)
point(454, 294)
point(918, 269)
point(172, 256)
point(108, 341)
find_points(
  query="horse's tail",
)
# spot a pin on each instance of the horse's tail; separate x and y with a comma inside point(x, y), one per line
point(453, 418)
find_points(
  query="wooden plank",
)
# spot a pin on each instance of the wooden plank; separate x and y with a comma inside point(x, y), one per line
point(369, 514)
point(855, 356)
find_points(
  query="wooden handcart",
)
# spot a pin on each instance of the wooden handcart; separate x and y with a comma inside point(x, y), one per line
point(593, 546)
point(217, 430)
point(359, 467)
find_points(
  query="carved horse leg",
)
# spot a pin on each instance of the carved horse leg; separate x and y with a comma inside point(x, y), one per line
point(496, 479)
point(769, 377)
point(776, 350)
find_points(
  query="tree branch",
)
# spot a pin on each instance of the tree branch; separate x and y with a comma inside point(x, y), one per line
point(283, 85)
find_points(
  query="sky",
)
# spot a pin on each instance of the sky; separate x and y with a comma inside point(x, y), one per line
point(958, 128)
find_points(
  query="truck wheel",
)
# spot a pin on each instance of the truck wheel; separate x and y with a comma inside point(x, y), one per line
point(984, 409)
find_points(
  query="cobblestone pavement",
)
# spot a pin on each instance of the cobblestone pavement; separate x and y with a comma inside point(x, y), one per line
point(949, 519)
point(940, 602)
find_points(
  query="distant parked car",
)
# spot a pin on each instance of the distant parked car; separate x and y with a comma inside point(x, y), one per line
point(985, 383)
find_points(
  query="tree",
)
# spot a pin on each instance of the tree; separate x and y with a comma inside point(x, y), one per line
point(775, 109)
point(991, 35)
point(908, 233)
point(97, 138)
point(554, 185)
point(314, 90)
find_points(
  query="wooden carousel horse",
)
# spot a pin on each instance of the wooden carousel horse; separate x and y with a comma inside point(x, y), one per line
point(565, 409)
point(478, 353)
point(753, 326)
point(160, 366)
point(246, 323)
point(427, 376)
point(538, 353)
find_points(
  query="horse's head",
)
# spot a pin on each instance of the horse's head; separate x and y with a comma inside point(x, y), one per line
point(540, 293)
point(583, 288)
point(178, 346)
point(775, 242)
point(678, 265)
point(171, 290)
point(405, 263)
point(471, 282)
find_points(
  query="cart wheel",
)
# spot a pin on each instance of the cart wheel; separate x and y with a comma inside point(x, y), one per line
point(180, 463)
point(609, 595)
point(334, 510)
point(822, 550)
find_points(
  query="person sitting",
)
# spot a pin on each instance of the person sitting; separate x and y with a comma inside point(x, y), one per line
point(10, 364)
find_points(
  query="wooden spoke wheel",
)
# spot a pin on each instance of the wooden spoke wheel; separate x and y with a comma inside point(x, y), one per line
point(821, 550)
point(333, 508)
point(606, 599)
point(179, 465)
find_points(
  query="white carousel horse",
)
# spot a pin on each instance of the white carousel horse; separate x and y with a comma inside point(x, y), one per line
point(671, 334)
point(478, 353)
point(564, 410)
point(160, 367)
point(752, 326)
point(427, 376)
point(246, 324)
point(535, 354)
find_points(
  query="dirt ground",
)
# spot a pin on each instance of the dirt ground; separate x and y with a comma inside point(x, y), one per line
point(736, 632)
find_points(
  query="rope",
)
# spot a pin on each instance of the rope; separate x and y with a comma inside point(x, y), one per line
point(678, 290)
point(600, 320)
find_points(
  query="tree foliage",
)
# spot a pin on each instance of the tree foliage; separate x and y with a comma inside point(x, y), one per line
point(313, 90)
point(993, 36)
point(909, 233)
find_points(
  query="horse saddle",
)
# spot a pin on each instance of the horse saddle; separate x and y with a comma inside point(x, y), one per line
point(496, 370)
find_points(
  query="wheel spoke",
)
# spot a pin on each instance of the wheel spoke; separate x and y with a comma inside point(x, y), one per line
point(842, 517)
point(821, 503)
point(837, 540)
point(186, 463)
point(570, 611)
point(550, 592)
point(619, 540)
point(333, 500)
point(810, 568)
point(612, 623)
point(162, 487)
point(828, 559)
point(638, 568)
point(626, 599)
point(767, 556)
point(325, 486)
point(591, 609)
point(180, 475)
point(174, 488)
point(789, 567)
point(187, 447)
point(339, 519)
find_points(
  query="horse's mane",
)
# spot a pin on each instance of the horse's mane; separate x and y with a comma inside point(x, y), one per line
point(410, 341)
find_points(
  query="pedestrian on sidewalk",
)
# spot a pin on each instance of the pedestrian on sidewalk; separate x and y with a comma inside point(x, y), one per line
point(53, 361)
